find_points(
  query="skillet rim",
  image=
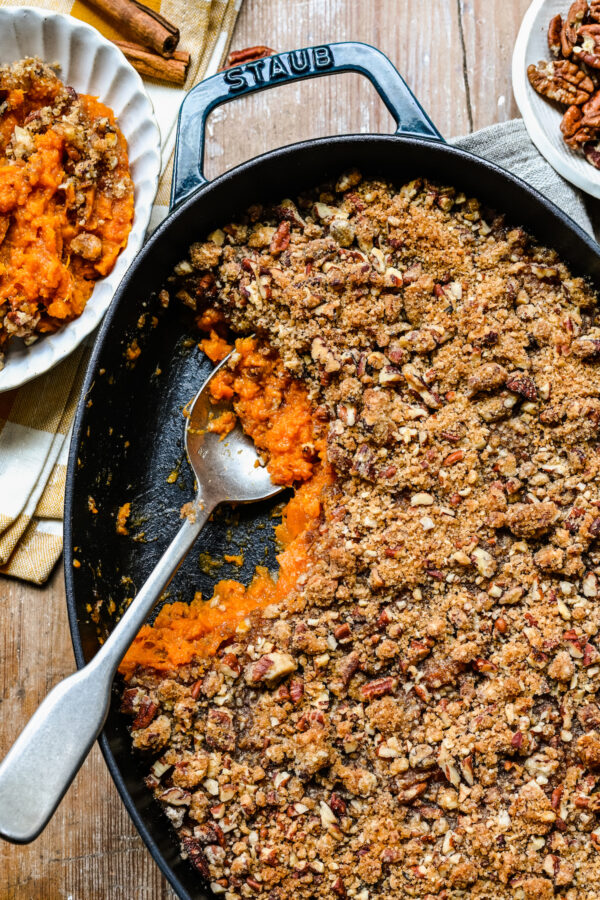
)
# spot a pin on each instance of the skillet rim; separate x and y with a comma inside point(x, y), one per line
point(243, 170)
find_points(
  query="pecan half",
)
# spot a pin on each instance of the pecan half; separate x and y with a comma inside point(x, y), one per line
point(572, 128)
point(554, 32)
point(561, 81)
point(595, 10)
point(591, 109)
point(571, 26)
point(589, 51)
point(248, 54)
point(591, 151)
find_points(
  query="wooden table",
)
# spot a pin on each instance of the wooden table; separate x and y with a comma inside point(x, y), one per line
point(456, 56)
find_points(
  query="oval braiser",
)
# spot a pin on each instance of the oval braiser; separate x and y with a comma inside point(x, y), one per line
point(128, 428)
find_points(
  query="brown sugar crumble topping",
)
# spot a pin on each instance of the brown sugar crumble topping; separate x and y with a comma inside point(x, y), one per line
point(419, 718)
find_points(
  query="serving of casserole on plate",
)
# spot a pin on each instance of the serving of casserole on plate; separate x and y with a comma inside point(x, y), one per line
point(80, 161)
point(407, 707)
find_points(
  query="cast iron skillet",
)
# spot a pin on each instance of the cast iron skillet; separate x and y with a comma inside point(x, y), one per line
point(127, 442)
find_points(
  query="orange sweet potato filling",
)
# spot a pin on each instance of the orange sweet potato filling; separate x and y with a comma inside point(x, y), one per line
point(275, 410)
point(38, 272)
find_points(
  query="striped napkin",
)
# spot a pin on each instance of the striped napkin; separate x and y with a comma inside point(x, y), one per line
point(35, 421)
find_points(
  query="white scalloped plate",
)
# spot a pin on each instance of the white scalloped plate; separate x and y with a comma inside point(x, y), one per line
point(92, 65)
point(542, 117)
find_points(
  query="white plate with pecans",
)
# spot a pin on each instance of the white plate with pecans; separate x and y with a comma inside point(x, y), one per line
point(563, 50)
point(92, 65)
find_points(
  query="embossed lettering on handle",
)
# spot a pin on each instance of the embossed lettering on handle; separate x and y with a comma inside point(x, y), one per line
point(275, 69)
point(295, 65)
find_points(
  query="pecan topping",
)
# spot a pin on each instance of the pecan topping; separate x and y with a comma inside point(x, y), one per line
point(146, 712)
point(296, 688)
point(270, 668)
point(196, 855)
point(281, 239)
point(586, 347)
point(530, 520)
point(488, 377)
point(377, 688)
point(417, 712)
point(522, 385)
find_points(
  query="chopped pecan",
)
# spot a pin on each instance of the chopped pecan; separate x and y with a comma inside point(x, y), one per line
point(523, 385)
point(337, 805)
point(325, 356)
point(196, 856)
point(416, 382)
point(342, 632)
point(176, 797)
point(561, 81)
point(453, 458)
point(131, 700)
point(588, 748)
point(281, 239)
point(146, 712)
point(339, 889)
point(528, 521)
point(488, 377)
point(377, 688)
point(586, 347)
point(296, 688)
point(347, 666)
point(270, 668)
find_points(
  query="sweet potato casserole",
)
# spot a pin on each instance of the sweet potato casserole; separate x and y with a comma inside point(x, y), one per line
point(410, 710)
point(66, 200)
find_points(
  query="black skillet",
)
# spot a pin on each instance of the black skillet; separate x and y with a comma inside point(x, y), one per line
point(128, 438)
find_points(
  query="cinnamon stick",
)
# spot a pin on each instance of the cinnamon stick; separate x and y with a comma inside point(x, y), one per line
point(172, 69)
point(142, 24)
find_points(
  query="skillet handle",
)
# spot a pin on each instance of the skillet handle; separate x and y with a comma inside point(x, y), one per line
point(326, 59)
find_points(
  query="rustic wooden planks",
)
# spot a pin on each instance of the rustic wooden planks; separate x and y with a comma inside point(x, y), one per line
point(455, 54)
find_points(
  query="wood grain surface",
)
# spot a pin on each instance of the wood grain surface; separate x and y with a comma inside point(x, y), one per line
point(456, 55)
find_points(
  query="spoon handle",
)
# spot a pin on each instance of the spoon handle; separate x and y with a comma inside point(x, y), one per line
point(48, 753)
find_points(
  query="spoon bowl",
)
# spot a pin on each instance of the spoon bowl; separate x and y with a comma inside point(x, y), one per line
point(227, 467)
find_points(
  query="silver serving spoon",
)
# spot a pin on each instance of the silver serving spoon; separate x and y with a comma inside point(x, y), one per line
point(46, 756)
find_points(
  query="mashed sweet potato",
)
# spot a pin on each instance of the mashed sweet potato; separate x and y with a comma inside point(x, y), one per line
point(66, 199)
point(274, 409)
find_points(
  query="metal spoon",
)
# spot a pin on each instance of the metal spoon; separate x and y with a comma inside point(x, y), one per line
point(46, 756)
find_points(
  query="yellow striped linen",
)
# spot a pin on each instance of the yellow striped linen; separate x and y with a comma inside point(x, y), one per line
point(35, 421)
